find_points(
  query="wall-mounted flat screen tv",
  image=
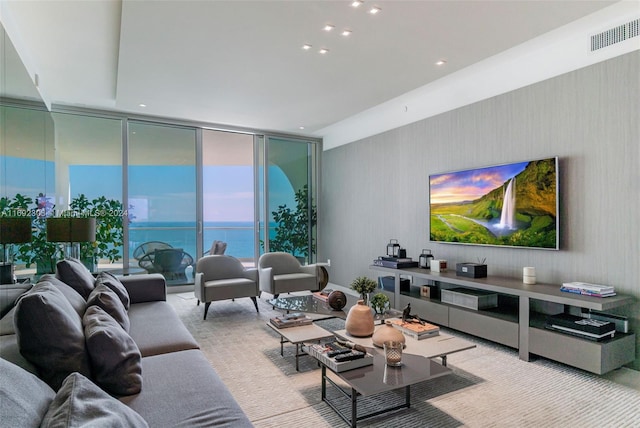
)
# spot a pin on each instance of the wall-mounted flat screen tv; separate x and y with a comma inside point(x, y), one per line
point(511, 205)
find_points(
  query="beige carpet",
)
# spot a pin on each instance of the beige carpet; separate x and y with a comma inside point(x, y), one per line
point(490, 386)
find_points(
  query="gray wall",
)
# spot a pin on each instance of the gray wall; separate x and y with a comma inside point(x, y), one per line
point(376, 189)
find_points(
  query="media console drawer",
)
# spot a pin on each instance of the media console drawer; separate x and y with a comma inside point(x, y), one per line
point(596, 357)
point(430, 311)
point(482, 325)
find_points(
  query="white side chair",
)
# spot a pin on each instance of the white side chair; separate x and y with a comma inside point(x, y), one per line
point(224, 277)
point(282, 273)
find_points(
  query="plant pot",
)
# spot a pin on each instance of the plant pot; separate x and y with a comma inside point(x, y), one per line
point(360, 320)
point(387, 332)
point(45, 266)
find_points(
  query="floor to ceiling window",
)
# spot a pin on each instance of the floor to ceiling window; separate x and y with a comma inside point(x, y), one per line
point(290, 197)
point(228, 208)
point(162, 199)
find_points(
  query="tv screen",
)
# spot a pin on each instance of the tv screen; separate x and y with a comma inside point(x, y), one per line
point(512, 205)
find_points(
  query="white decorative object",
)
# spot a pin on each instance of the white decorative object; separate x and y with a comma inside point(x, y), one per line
point(529, 275)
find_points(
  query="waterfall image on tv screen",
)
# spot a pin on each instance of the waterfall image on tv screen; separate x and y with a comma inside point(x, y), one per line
point(512, 205)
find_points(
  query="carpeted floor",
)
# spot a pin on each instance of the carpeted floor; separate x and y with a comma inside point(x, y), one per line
point(490, 386)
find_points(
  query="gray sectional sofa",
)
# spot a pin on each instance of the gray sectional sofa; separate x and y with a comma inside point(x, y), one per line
point(149, 374)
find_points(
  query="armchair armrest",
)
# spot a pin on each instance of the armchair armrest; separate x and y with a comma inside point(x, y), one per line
point(310, 269)
point(251, 273)
point(145, 288)
point(266, 279)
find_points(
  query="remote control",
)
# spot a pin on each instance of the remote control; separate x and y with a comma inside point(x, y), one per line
point(355, 355)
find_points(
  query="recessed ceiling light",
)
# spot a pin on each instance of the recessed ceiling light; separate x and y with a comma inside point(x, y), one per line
point(306, 46)
point(356, 3)
point(142, 105)
point(329, 27)
point(346, 32)
point(301, 127)
point(441, 62)
point(323, 51)
point(374, 10)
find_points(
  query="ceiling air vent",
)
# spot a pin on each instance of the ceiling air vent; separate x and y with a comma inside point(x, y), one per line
point(615, 35)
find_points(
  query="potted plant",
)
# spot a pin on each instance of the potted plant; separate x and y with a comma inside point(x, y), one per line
point(39, 251)
point(364, 286)
point(293, 226)
point(109, 229)
point(380, 303)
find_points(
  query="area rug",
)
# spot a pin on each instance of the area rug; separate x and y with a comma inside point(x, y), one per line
point(490, 386)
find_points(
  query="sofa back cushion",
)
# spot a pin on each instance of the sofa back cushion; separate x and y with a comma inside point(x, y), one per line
point(77, 301)
point(80, 403)
point(50, 335)
point(24, 399)
point(73, 273)
point(116, 362)
point(116, 286)
point(103, 297)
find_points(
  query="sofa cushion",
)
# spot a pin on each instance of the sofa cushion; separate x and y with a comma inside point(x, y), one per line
point(204, 398)
point(80, 403)
point(116, 286)
point(24, 399)
point(73, 273)
point(115, 358)
point(50, 334)
point(106, 299)
point(157, 329)
point(77, 301)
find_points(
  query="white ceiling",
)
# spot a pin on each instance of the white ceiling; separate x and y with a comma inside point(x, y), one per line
point(240, 63)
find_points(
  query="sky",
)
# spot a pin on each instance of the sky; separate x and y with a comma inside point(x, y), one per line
point(470, 184)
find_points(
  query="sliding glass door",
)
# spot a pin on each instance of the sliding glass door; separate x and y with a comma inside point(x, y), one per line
point(162, 200)
point(228, 196)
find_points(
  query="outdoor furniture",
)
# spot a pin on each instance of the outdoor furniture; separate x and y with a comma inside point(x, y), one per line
point(223, 277)
point(217, 248)
point(282, 273)
point(149, 247)
point(170, 262)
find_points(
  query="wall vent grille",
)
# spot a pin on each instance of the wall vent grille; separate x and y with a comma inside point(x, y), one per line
point(615, 35)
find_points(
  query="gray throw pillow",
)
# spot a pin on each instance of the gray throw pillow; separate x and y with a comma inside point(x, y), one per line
point(50, 335)
point(80, 403)
point(103, 297)
point(116, 362)
point(76, 275)
point(116, 286)
point(24, 399)
point(77, 301)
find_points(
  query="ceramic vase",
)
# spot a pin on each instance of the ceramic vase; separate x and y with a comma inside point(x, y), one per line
point(360, 320)
point(387, 332)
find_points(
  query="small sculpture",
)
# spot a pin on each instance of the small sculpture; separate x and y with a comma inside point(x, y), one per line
point(337, 300)
point(407, 317)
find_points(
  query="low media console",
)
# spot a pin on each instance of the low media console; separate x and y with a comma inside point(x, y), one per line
point(518, 318)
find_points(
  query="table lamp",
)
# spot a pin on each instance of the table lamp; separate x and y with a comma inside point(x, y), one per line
point(13, 230)
point(71, 231)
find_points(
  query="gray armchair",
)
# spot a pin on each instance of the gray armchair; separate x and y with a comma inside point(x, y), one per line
point(224, 277)
point(282, 273)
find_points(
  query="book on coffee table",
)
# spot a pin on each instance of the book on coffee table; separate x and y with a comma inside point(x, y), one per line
point(415, 330)
point(291, 320)
point(321, 353)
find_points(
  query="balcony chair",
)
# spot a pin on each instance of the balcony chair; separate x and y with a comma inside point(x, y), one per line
point(149, 247)
point(224, 277)
point(282, 273)
point(217, 248)
point(170, 262)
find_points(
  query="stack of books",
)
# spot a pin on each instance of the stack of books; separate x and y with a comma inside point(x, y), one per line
point(291, 320)
point(586, 328)
point(395, 262)
point(338, 358)
point(416, 329)
point(587, 289)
